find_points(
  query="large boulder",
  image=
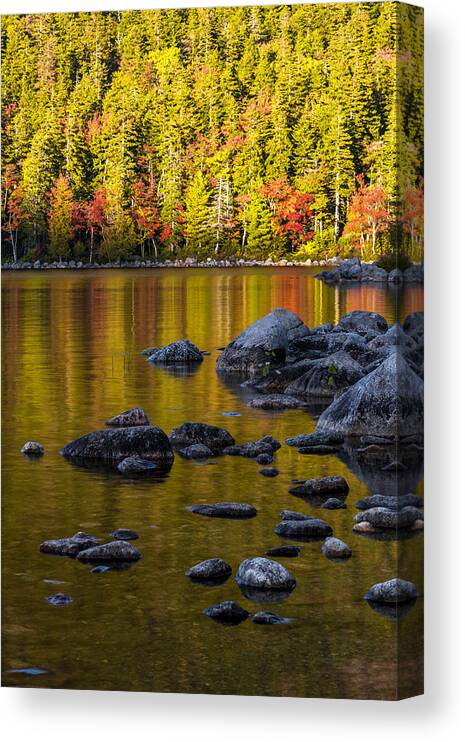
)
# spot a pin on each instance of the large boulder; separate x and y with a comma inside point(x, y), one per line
point(387, 402)
point(261, 573)
point(129, 419)
point(392, 502)
point(116, 444)
point(362, 322)
point(386, 518)
point(211, 436)
point(181, 351)
point(326, 376)
point(263, 345)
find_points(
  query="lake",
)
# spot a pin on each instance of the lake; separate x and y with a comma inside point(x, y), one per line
point(71, 360)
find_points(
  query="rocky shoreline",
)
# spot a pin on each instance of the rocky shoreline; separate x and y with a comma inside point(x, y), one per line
point(349, 270)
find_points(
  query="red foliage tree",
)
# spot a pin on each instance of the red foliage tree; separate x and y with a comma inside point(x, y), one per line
point(14, 212)
point(412, 215)
point(292, 211)
point(368, 213)
point(89, 216)
point(145, 213)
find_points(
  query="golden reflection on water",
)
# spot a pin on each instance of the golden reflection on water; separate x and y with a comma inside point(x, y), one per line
point(71, 359)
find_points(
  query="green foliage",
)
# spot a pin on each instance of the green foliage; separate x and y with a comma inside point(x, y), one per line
point(207, 107)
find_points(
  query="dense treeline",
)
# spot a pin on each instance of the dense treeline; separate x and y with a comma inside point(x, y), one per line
point(254, 131)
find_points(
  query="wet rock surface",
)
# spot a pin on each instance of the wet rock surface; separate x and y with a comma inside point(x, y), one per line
point(326, 376)
point(392, 502)
point(264, 574)
point(264, 344)
point(196, 451)
point(33, 449)
point(310, 528)
point(334, 548)
point(121, 551)
point(210, 571)
point(70, 546)
point(124, 534)
point(116, 444)
point(387, 402)
point(333, 503)
point(321, 487)
point(179, 352)
point(211, 436)
point(269, 471)
point(386, 518)
point(129, 419)
point(227, 612)
point(276, 402)
point(284, 551)
point(136, 465)
point(392, 591)
point(224, 510)
point(267, 618)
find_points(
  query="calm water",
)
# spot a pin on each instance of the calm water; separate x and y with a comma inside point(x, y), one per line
point(71, 359)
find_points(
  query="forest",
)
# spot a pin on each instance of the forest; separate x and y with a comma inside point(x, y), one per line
point(260, 132)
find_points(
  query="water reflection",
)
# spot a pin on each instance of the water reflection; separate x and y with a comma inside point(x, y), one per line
point(71, 360)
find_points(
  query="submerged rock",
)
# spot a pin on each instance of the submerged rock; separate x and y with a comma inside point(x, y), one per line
point(121, 551)
point(70, 546)
point(321, 487)
point(269, 471)
point(333, 503)
point(214, 570)
point(294, 515)
point(224, 510)
point(32, 448)
point(124, 534)
point(59, 599)
point(136, 465)
point(252, 449)
point(116, 444)
point(211, 436)
point(267, 618)
point(334, 548)
point(129, 419)
point(181, 351)
point(196, 451)
point(263, 344)
point(276, 402)
point(266, 574)
point(392, 591)
point(227, 612)
point(264, 459)
point(386, 402)
point(303, 529)
point(284, 551)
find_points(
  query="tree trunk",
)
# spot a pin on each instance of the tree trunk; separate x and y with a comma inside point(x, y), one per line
point(155, 250)
point(91, 252)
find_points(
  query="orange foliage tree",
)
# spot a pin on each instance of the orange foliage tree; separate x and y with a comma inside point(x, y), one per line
point(368, 214)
